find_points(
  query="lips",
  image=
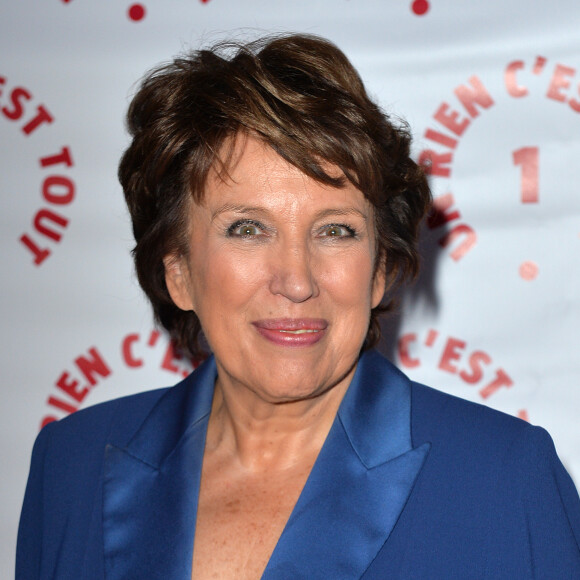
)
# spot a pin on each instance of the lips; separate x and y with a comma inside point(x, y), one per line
point(292, 332)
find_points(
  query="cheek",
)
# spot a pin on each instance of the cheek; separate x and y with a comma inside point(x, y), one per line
point(226, 279)
point(350, 281)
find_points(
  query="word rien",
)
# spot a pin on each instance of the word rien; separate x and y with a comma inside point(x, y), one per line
point(74, 386)
point(57, 190)
point(451, 124)
point(471, 368)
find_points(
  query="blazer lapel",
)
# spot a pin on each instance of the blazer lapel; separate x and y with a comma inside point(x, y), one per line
point(151, 486)
point(359, 484)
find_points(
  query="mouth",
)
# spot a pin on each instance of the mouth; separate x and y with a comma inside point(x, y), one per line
point(292, 332)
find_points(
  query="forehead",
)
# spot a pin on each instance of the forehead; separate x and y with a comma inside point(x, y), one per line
point(251, 169)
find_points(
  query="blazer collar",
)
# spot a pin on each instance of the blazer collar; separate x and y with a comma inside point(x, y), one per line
point(353, 497)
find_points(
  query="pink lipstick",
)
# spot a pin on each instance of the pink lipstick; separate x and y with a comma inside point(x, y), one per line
point(292, 331)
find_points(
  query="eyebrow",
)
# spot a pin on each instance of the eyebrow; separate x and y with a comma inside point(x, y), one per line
point(342, 212)
point(246, 209)
point(236, 208)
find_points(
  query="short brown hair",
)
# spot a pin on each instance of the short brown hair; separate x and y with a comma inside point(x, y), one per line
point(299, 94)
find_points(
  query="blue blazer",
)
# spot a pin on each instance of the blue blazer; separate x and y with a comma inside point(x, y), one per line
point(410, 483)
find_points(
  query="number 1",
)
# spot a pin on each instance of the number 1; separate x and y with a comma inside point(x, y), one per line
point(528, 158)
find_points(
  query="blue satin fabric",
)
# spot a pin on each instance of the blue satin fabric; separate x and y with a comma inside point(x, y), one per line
point(355, 493)
point(151, 487)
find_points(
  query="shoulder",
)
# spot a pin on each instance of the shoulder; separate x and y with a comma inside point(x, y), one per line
point(129, 410)
point(77, 437)
point(437, 417)
point(85, 433)
point(482, 457)
point(491, 484)
point(435, 414)
point(475, 435)
point(476, 444)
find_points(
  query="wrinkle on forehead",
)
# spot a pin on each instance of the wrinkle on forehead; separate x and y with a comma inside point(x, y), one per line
point(234, 147)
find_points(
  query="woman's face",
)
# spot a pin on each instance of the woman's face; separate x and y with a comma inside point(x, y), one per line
point(280, 274)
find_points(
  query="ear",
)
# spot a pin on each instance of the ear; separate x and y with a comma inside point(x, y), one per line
point(177, 281)
point(379, 284)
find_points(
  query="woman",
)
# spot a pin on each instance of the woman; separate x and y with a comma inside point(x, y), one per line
point(273, 204)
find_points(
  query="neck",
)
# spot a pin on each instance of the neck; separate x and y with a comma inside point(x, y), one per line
point(262, 436)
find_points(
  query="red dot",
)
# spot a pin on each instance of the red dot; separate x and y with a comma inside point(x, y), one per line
point(420, 7)
point(529, 270)
point(136, 12)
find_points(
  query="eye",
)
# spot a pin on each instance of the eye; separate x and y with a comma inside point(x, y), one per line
point(245, 229)
point(337, 231)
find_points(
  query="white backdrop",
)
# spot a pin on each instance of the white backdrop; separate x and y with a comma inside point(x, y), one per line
point(491, 91)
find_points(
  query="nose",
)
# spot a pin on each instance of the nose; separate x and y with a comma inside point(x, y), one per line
point(293, 274)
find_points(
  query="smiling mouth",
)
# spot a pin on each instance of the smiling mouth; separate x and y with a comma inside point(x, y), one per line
point(292, 332)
